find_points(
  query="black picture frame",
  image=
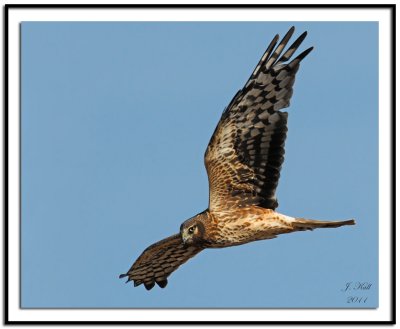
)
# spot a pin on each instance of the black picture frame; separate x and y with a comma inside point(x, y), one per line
point(6, 13)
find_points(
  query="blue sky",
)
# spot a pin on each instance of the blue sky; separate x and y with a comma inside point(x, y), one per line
point(115, 121)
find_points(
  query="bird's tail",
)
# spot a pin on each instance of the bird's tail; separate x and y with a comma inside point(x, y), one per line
point(302, 224)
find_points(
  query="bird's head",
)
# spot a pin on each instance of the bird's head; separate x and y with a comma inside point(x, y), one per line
point(192, 231)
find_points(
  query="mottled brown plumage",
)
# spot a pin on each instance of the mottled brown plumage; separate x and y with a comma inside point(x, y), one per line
point(243, 162)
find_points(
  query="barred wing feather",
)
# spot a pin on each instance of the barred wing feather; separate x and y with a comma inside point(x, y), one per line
point(159, 260)
point(246, 152)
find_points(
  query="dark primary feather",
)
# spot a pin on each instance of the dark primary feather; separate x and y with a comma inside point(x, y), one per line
point(159, 260)
point(246, 152)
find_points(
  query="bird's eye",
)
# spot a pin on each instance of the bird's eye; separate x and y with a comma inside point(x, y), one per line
point(191, 230)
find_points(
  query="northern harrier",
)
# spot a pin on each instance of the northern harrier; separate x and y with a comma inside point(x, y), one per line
point(243, 162)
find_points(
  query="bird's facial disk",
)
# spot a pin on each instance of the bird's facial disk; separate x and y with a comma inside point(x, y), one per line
point(191, 233)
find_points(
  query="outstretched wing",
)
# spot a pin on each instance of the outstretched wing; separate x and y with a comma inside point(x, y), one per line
point(159, 260)
point(245, 153)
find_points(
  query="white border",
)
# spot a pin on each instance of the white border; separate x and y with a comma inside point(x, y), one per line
point(383, 16)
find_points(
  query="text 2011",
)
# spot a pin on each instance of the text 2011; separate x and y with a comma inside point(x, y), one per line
point(355, 299)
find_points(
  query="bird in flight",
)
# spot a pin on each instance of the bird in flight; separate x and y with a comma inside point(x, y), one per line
point(243, 161)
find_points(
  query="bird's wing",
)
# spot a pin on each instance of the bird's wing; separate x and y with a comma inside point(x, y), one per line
point(245, 153)
point(159, 260)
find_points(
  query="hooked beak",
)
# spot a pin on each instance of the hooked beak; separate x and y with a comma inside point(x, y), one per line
point(185, 238)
